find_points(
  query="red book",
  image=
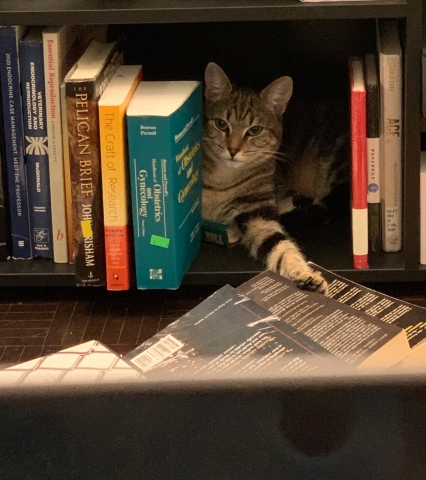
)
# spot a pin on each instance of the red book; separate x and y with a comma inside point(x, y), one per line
point(359, 163)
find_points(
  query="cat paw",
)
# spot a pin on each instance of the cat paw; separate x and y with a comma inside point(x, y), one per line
point(312, 281)
point(287, 260)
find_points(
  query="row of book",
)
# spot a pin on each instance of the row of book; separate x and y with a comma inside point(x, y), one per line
point(376, 141)
point(62, 120)
point(87, 145)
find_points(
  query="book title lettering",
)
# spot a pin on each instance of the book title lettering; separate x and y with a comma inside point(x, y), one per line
point(111, 167)
point(34, 103)
point(186, 155)
point(51, 79)
point(393, 127)
point(153, 193)
point(83, 143)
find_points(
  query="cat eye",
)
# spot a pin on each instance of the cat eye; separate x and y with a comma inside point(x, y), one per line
point(221, 124)
point(255, 130)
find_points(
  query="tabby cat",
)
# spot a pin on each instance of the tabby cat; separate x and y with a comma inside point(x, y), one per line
point(255, 158)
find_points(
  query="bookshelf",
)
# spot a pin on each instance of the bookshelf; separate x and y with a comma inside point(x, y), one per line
point(314, 34)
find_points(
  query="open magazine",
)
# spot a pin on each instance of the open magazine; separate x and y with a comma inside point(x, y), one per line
point(269, 327)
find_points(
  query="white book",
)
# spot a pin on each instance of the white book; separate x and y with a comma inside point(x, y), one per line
point(423, 208)
point(62, 45)
point(390, 66)
point(374, 200)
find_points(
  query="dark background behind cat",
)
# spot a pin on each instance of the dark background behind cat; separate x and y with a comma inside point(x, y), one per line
point(313, 52)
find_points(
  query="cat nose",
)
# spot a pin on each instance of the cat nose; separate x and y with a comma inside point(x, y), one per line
point(233, 151)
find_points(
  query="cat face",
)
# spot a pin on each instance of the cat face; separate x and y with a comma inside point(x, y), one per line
point(240, 126)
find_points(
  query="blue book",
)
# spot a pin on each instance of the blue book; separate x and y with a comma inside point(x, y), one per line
point(4, 211)
point(36, 150)
point(14, 141)
point(165, 134)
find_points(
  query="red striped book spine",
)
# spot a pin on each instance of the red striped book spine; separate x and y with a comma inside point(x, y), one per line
point(359, 163)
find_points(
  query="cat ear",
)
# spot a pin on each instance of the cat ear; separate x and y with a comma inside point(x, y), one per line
point(217, 83)
point(276, 96)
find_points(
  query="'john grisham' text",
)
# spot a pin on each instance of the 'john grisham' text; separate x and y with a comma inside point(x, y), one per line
point(83, 145)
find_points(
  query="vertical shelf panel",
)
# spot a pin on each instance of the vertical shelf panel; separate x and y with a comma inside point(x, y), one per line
point(412, 134)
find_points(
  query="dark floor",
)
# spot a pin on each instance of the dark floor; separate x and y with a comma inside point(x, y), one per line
point(36, 322)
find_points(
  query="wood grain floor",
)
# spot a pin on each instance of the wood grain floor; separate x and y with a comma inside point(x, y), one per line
point(35, 322)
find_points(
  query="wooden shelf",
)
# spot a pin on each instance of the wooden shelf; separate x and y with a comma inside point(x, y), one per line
point(46, 12)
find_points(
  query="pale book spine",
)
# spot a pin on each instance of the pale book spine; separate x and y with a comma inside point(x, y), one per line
point(391, 145)
point(52, 62)
point(67, 175)
point(423, 209)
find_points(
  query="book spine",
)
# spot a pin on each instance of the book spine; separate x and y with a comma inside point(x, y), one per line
point(115, 188)
point(88, 228)
point(14, 142)
point(165, 177)
point(150, 164)
point(373, 153)
point(423, 208)
point(391, 146)
point(51, 52)
point(67, 175)
point(219, 233)
point(185, 203)
point(359, 171)
point(82, 99)
point(36, 150)
point(424, 82)
point(4, 215)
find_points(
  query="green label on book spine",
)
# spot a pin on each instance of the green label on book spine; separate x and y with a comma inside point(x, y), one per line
point(160, 241)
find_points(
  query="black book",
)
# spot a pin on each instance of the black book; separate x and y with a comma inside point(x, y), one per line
point(351, 335)
point(268, 327)
point(372, 83)
point(230, 336)
point(405, 315)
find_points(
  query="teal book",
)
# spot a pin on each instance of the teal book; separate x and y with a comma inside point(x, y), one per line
point(164, 124)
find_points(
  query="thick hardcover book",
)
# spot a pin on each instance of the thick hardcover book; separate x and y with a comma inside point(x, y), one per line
point(115, 171)
point(219, 233)
point(229, 335)
point(372, 83)
point(84, 85)
point(423, 208)
point(14, 140)
point(351, 335)
point(62, 46)
point(4, 208)
point(359, 164)
point(36, 149)
point(390, 66)
point(165, 134)
point(410, 317)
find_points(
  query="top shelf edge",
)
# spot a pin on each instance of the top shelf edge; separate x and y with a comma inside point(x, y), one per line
point(167, 11)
